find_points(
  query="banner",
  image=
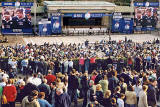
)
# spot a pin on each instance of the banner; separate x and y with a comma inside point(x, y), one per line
point(45, 28)
point(117, 22)
point(26, 4)
point(56, 23)
point(86, 15)
point(146, 4)
point(127, 25)
point(16, 20)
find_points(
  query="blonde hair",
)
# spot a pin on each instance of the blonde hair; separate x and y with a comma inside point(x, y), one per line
point(107, 94)
point(98, 87)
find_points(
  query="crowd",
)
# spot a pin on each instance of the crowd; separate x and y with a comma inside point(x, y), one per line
point(108, 74)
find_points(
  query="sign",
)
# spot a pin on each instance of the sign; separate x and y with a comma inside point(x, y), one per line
point(117, 22)
point(17, 4)
point(56, 23)
point(146, 4)
point(45, 28)
point(127, 25)
point(145, 18)
point(16, 20)
point(86, 15)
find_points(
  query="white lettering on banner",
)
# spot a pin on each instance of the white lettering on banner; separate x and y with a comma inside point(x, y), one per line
point(117, 17)
point(9, 4)
point(17, 30)
point(117, 14)
point(140, 4)
point(56, 14)
point(77, 15)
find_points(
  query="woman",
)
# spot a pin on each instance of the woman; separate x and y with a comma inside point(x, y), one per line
point(143, 97)
point(131, 99)
point(42, 101)
point(10, 92)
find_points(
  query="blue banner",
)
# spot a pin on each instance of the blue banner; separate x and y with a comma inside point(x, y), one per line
point(146, 4)
point(86, 15)
point(56, 23)
point(127, 25)
point(17, 31)
point(45, 28)
point(27, 4)
point(117, 22)
point(117, 25)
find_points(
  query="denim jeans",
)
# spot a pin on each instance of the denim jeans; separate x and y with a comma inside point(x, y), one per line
point(130, 105)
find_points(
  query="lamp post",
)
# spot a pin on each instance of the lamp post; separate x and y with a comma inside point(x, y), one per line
point(35, 7)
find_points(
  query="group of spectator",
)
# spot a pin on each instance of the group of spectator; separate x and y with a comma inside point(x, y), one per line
point(108, 74)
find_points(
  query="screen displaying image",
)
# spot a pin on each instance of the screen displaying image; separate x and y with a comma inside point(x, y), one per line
point(16, 19)
point(145, 17)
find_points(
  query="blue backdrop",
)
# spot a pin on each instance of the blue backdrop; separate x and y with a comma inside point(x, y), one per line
point(127, 25)
point(56, 23)
point(45, 28)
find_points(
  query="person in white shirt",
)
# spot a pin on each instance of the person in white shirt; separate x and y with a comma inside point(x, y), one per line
point(120, 101)
point(34, 80)
point(137, 88)
point(3, 82)
point(143, 97)
point(70, 65)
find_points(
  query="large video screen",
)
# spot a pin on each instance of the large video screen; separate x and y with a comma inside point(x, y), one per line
point(16, 20)
point(145, 18)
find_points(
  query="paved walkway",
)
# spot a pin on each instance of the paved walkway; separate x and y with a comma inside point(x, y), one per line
point(81, 39)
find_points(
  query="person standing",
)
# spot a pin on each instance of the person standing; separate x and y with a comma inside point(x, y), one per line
point(44, 87)
point(31, 100)
point(42, 101)
point(143, 97)
point(10, 92)
point(151, 93)
point(73, 85)
point(131, 99)
point(50, 77)
point(62, 99)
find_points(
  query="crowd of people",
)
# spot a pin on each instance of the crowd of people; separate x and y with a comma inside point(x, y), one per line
point(103, 74)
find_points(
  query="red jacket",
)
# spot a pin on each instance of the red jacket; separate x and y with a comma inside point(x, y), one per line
point(10, 92)
point(50, 78)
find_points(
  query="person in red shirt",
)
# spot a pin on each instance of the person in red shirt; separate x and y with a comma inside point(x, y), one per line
point(81, 64)
point(92, 64)
point(50, 78)
point(10, 92)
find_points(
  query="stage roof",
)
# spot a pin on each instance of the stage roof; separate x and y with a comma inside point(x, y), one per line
point(78, 3)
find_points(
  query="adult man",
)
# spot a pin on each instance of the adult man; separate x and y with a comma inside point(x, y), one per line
point(44, 87)
point(73, 86)
point(151, 93)
point(62, 99)
point(7, 22)
point(20, 21)
point(31, 100)
point(50, 78)
point(148, 19)
point(35, 80)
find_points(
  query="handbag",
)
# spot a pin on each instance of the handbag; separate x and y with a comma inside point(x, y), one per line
point(4, 99)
